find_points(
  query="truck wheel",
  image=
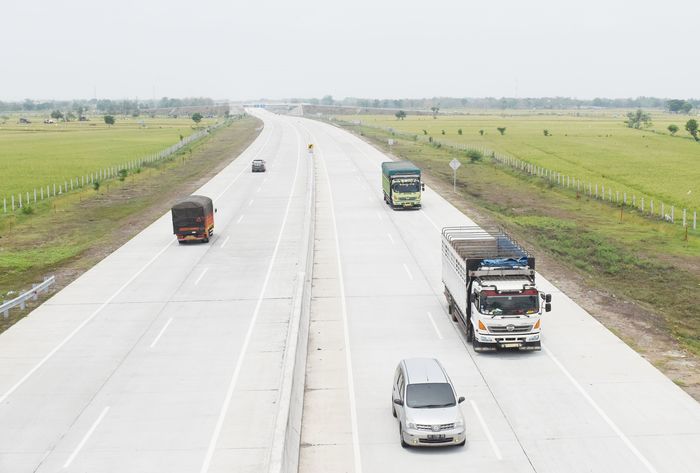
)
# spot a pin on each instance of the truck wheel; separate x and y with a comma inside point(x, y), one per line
point(182, 242)
point(453, 312)
point(477, 345)
point(206, 240)
point(470, 333)
point(393, 410)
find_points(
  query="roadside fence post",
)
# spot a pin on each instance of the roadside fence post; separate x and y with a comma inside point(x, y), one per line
point(673, 211)
point(695, 220)
point(651, 207)
point(54, 189)
point(602, 191)
point(4, 205)
point(663, 211)
point(20, 200)
point(634, 201)
point(624, 198)
point(35, 195)
point(13, 202)
point(684, 221)
point(642, 205)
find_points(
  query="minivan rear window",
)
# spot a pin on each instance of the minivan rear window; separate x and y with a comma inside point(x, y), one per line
point(427, 395)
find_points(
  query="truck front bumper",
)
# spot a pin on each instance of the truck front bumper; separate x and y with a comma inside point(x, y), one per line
point(524, 341)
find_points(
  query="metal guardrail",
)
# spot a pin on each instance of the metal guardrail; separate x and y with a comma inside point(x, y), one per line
point(22, 299)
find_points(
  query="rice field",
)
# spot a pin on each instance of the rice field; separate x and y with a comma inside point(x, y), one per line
point(37, 154)
point(593, 147)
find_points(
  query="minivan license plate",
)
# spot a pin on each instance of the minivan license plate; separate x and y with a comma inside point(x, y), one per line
point(511, 345)
point(436, 436)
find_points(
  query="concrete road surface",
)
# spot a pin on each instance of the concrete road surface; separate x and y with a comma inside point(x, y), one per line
point(585, 403)
point(168, 358)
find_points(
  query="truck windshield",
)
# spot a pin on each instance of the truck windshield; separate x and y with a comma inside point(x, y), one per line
point(401, 187)
point(429, 395)
point(502, 304)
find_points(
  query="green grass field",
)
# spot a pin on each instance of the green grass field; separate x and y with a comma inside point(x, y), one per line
point(37, 154)
point(595, 147)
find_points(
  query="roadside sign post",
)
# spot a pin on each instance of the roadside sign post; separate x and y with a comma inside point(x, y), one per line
point(454, 164)
point(391, 142)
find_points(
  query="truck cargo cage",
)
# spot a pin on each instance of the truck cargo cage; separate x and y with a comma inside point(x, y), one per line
point(487, 247)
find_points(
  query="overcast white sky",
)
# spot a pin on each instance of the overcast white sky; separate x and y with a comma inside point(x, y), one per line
point(246, 49)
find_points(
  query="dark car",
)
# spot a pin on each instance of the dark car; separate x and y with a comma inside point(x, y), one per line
point(258, 165)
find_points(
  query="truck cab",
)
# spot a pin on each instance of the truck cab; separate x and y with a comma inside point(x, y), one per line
point(506, 313)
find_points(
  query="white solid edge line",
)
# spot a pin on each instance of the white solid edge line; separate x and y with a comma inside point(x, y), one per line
point(225, 241)
point(494, 447)
point(240, 219)
point(628, 443)
point(85, 438)
point(408, 271)
point(379, 216)
point(81, 325)
point(250, 203)
point(160, 334)
point(246, 341)
point(432, 321)
point(201, 276)
point(432, 222)
point(344, 310)
point(391, 238)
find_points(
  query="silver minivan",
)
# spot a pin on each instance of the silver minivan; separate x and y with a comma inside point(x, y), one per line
point(426, 406)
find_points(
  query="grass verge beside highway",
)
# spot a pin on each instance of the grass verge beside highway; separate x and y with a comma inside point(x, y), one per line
point(636, 275)
point(69, 234)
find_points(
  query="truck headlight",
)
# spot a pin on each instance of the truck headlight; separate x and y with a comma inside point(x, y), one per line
point(459, 423)
point(411, 425)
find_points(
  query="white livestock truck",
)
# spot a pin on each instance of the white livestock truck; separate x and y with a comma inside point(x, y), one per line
point(490, 288)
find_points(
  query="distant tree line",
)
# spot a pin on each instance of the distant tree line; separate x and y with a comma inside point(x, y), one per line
point(504, 103)
point(124, 107)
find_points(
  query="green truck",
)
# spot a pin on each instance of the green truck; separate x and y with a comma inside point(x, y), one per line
point(401, 184)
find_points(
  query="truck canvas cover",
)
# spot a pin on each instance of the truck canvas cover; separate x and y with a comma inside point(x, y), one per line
point(487, 247)
point(392, 168)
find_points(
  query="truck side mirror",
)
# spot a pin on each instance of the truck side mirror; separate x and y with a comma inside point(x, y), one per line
point(216, 210)
point(548, 298)
point(472, 298)
point(548, 307)
point(460, 400)
point(398, 402)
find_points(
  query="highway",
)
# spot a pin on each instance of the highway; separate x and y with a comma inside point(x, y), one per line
point(585, 403)
point(169, 358)
point(166, 358)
